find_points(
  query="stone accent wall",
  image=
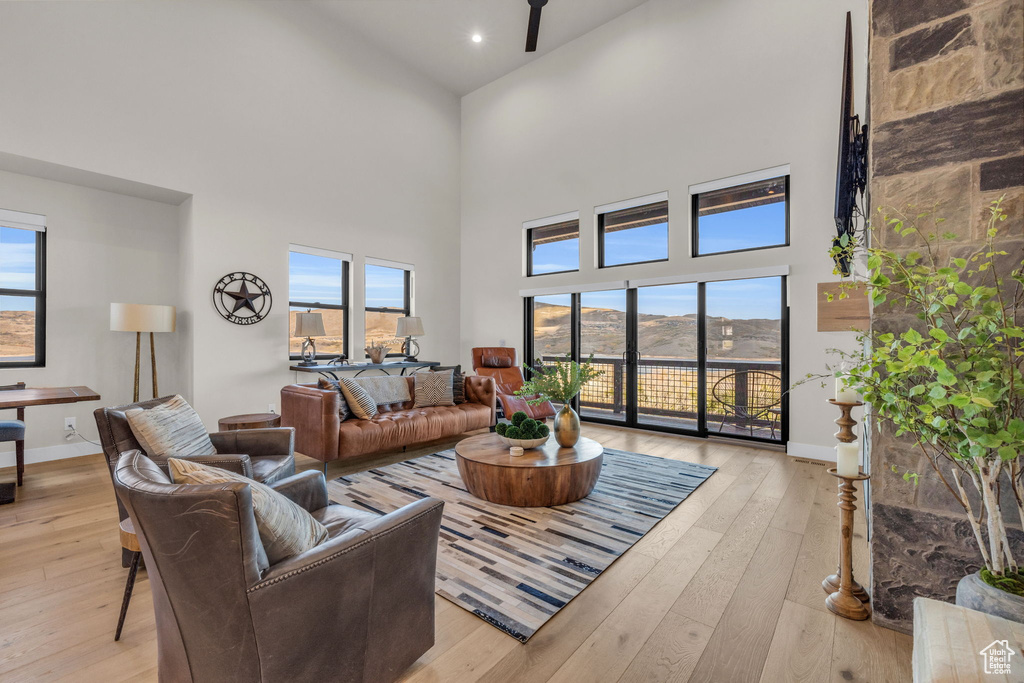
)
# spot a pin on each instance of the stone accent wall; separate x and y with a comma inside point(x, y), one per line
point(946, 94)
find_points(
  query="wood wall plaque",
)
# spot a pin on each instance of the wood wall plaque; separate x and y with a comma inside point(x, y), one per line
point(842, 315)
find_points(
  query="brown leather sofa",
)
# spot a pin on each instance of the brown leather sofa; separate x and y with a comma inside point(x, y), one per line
point(501, 363)
point(358, 607)
point(320, 433)
point(271, 451)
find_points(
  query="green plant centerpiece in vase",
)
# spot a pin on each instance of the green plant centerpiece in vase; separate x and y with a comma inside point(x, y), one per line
point(560, 382)
point(951, 382)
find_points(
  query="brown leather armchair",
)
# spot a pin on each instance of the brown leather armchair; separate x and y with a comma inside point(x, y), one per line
point(501, 363)
point(271, 451)
point(358, 607)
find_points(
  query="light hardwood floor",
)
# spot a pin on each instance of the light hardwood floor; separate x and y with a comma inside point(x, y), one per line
point(726, 588)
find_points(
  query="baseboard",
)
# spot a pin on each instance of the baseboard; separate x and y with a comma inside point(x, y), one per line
point(47, 453)
point(811, 452)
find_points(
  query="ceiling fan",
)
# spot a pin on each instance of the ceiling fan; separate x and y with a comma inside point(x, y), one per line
point(534, 28)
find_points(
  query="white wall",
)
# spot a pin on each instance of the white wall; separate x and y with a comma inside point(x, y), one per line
point(669, 95)
point(102, 247)
point(281, 126)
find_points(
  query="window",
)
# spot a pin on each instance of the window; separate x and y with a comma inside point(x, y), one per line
point(552, 327)
point(318, 282)
point(553, 248)
point(753, 215)
point(22, 289)
point(388, 298)
point(632, 234)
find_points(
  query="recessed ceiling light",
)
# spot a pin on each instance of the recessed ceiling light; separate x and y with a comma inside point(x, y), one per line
point(477, 38)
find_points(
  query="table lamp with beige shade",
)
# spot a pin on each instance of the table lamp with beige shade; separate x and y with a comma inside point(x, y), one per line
point(139, 318)
point(410, 327)
point(309, 325)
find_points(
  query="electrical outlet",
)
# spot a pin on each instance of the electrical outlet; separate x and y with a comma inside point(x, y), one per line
point(69, 424)
point(272, 408)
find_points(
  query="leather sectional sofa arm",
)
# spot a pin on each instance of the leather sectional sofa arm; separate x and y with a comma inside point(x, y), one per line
point(482, 390)
point(307, 489)
point(313, 413)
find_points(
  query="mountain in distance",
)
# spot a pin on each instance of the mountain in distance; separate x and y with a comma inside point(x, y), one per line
point(661, 336)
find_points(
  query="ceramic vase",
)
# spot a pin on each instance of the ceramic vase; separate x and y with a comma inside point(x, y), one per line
point(567, 427)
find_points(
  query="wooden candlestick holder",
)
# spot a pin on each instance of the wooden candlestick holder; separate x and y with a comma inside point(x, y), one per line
point(846, 423)
point(845, 601)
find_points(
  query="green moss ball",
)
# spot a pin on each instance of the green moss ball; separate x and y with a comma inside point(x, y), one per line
point(512, 433)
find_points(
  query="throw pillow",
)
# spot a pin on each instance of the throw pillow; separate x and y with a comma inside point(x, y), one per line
point(344, 412)
point(285, 528)
point(458, 381)
point(386, 389)
point(171, 428)
point(433, 389)
point(361, 403)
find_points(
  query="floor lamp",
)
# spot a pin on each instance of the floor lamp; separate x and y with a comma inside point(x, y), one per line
point(139, 318)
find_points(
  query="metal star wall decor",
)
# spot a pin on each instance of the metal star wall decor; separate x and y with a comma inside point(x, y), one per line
point(243, 304)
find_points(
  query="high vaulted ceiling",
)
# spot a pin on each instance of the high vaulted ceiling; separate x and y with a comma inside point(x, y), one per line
point(435, 36)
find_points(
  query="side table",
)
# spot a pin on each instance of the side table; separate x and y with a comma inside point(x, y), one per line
point(250, 421)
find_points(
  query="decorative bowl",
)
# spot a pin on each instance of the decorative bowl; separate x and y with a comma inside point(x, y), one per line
point(525, 443)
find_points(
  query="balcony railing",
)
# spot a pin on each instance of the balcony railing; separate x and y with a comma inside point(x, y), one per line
point(667, 388)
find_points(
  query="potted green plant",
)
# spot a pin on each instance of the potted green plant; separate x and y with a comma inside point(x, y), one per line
point(952, 382)
point(560, 382)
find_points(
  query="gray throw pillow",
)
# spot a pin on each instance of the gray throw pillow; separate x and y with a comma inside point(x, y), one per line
point(344, 412)
point(171, 428)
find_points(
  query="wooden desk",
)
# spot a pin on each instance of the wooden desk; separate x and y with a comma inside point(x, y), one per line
point(331, 370)
point(40, 396)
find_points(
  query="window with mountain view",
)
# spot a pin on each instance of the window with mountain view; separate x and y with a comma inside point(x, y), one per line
point(635, 235)
point(553, 248)
point(388, 298)
point(22, 295)
point(318, 282)
point(743, 217)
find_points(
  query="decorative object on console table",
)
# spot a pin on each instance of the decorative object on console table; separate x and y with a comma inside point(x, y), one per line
point(139, 318)
point(560, 382)
point(249, 421)
point(410, 327)
point(378, 350)
point(309, 325)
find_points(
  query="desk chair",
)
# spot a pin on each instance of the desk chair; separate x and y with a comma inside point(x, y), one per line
point(14, 430)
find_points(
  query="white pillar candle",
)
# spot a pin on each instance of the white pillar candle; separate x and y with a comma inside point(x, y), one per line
point(845, 394)
point(515, 451)
point(848, 459)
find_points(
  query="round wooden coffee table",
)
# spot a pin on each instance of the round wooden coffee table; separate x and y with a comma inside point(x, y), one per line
point(541, 477)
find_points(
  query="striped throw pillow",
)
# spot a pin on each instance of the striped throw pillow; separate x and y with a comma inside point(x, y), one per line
point(327, 384)
point(171, 428)
point(433, 389)
point(285, 528)
point(359, 401)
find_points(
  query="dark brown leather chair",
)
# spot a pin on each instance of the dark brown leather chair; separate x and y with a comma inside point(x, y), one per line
point(271, 451)
point(501, 363)
point(359, 607)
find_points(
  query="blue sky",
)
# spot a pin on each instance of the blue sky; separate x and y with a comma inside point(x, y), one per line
point(647, 243)
point(17, 266)
point(757, 226)
point(385, 287)
point(736, 299)
point(314, 279)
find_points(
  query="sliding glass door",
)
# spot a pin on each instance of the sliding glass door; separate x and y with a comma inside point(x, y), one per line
point(695, 358)
point(667, 364)
point(604, 333)
point(744, 367)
